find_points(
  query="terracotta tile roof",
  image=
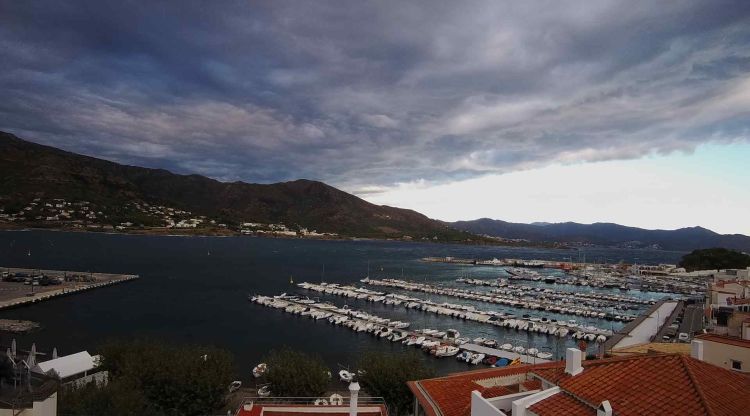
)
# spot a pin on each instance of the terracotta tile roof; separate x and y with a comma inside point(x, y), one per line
point(661, 384)
point(664, 384)
point(561, 404)
point(495, 391)
point(653, 347)
point(451, 395)
point(531, 385)
point(725, 339)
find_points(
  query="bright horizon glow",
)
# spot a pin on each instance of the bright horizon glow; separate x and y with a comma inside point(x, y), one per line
point(708, 188)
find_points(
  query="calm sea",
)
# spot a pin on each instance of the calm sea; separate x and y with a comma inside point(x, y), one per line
point(194, 289)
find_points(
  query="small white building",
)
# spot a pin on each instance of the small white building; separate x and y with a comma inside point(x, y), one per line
point(76, 369)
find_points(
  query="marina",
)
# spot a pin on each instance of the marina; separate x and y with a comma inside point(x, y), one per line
point(21, 287)
point(570, 305)
point(177, 275)
point(437, 343)
point(500, 283)
point(538, 325)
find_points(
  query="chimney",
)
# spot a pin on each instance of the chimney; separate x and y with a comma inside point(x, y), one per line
point(604, 409)
point(696, 349)
point(573, 358)
point(354, 394)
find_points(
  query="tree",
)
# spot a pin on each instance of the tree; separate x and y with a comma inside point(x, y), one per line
point(714, 258)
point(385, 375)
point(156, 379)
point(296, 374)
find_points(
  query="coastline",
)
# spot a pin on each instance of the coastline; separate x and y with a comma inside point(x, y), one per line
point(221, 232)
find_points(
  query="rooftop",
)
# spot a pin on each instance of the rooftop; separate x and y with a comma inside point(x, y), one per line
point(654, 347)
point(725, 339)
point(665, 384)
point(70, 365)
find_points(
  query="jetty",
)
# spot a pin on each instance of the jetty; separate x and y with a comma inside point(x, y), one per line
point(437, 343)
point(564, 305)
point(17, 326)
point(539, 325)
point(23, 286)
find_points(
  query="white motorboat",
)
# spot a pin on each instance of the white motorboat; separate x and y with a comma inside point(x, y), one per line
point(532, 351)
point(427, 344)
point(476, 358)
point(507, 347)
point(264, 391)
point(464, 356)
point(452, 333)
point(259, 370)
point(544, 355)
point(446, 351)
point(460, 341)
point(346, 376)
point(398, 336)
point(490, 343)
point(479, 340)
point(235, 386)
point(519, 349)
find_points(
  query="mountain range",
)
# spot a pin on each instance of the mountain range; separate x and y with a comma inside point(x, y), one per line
point(29, 170)
point(606, 234)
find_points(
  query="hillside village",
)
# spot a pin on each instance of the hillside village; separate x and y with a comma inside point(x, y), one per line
point(134, 216)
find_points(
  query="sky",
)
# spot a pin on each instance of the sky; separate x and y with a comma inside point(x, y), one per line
point(632, 112)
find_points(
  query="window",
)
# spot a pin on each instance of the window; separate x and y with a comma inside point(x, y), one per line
point(736, 365)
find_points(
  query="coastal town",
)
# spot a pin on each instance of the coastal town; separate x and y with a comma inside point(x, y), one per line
point(374, 208)
point(707, 335)
point(139, 218)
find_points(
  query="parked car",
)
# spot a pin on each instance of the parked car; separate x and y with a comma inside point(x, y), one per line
point(684, 337)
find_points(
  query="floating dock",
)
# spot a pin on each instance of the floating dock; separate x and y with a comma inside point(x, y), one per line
point(21, 286)
point(559, 329)
point(573, 306)
point(358, 320)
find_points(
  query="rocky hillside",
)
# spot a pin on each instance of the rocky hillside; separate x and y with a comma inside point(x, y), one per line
point(29, 171)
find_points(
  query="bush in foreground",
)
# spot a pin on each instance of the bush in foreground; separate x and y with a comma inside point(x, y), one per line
point(296, 374)
point(385, 375)
point(152, 378)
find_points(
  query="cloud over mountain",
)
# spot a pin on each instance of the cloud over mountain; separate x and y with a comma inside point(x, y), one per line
point(368, 94)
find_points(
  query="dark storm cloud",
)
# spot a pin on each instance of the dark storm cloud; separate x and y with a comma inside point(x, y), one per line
point(363, 95)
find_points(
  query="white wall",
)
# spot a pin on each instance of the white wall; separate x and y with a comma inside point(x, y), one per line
point(481, 407)
point(47, 407)
point(643, 333)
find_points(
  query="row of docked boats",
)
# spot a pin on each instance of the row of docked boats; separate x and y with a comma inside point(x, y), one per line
point(435, 342)
point(543, 325)
point(360, 321)
point(567, 306)
point(606, 297)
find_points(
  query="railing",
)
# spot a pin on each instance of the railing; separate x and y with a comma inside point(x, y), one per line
point(361, 401)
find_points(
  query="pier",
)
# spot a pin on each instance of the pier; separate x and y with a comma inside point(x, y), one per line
point(21, 287)
point(565, 305)
point(394, 331)
point(539, 325)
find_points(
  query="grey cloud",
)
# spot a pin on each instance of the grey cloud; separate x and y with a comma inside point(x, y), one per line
point(365, 95)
